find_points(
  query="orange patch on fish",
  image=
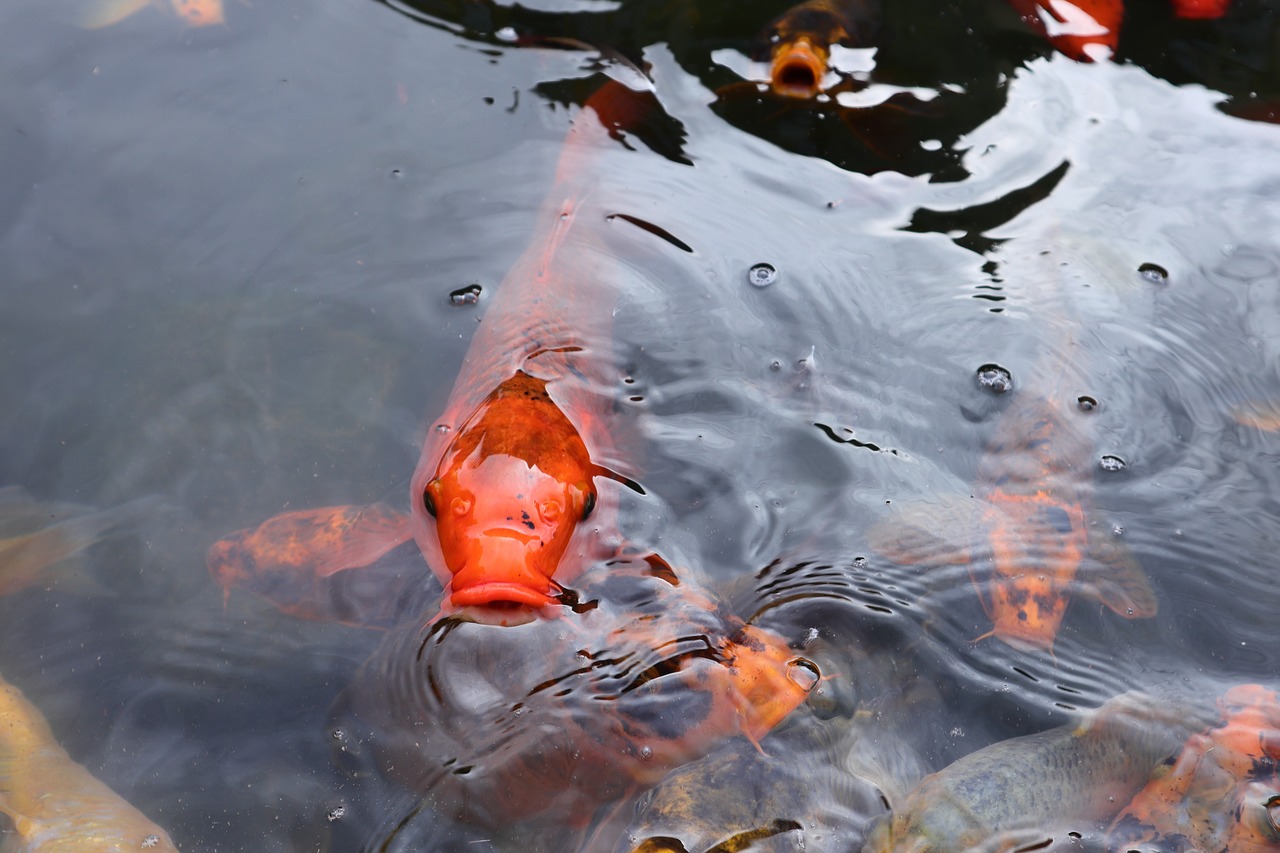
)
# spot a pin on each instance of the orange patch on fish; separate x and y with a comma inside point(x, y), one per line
point(1223, 790)
point(1085, 30)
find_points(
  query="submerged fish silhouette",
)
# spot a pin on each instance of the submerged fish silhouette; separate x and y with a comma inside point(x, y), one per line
point(42, 542)
point(193, 13)
point(1028, 540)
point(1222, 792)
point(509, 476)
point(53, 803)
point(1021, 793)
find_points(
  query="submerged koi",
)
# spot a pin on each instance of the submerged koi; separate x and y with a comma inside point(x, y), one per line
point(507, 476)
point(1027, 540)
point(54, 804)
point(649, 675)
point(800, 40)
point(1222, 792)
point(192, 13)
point(1021, 793)
point(39, 542)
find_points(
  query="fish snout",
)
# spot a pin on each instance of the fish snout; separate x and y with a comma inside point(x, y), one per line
point(798, 68)
point(503, 565)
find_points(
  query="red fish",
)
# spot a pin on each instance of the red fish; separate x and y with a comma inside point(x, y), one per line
point(1085, 30)
point(507, 477)
point(1222, 792)
point(1089, 30)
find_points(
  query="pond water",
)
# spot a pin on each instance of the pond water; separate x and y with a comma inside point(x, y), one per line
point(228, 255)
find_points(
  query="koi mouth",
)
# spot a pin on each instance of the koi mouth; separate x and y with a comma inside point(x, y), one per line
point(797, 71)
point(501, 593)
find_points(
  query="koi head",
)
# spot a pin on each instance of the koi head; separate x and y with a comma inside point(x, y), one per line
point(507, 498)
point(771, 678)
point(800, 43)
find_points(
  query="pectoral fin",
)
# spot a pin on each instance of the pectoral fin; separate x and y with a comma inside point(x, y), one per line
point(937, 532)
point(105, 13)
point(1113, 577)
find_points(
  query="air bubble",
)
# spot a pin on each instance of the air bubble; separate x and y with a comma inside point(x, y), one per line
point(336, 813)
point(1154, 273)
point(994, 378)
point(463, 296)
point(1111, 463)
point(442, 429)
point(507, 34)
point(150, 841)
point(762, 275)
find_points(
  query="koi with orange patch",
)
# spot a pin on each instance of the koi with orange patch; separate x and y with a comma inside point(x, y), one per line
point(53, 804)
point(1222, 793)
point(648, 675)
point(1089, 30)
point(508, 476)
point(192, 13)
point(1027, 539)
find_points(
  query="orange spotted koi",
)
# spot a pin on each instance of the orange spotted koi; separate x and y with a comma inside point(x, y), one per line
point(1222, 792)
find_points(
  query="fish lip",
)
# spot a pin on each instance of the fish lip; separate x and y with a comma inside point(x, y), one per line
point(797, 71)
point(496, 592)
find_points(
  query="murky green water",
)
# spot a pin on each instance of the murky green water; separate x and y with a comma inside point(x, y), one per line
point(227, 256)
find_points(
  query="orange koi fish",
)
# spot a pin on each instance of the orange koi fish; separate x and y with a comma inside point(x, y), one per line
point(507, 477)
point(649, 675)
point(192, 13)
point(1222, 792)
point(1025, 792)
point(800, 40)
point(1027, 539)
point(52, 803)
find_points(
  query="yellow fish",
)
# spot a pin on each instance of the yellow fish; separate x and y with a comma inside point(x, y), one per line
point(39, 541)
point(55, 805)
point(192, 13)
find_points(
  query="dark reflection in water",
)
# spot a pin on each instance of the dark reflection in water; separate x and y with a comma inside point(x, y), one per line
point(232, 262)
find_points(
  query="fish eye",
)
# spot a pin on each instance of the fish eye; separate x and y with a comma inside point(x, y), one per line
point(804, 673)
point(429, 502)
point(588, 505)
point(1272, 809)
